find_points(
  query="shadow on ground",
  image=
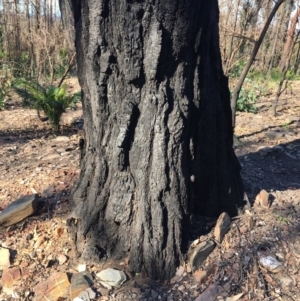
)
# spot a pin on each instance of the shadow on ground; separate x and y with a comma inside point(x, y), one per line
point(272, 168)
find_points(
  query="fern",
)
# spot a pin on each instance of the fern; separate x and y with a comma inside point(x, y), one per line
point(53, 101)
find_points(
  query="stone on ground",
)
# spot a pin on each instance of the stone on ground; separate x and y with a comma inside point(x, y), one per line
point(19, 210)
point(262, 199)
point(62, 259)
point(53, 289)
point(11, 276)
point(270, 263)
point(83, 296)
point(112, 277)
point(200, 253)
point(199, 275)
point(222, 226)
point(4, 258)
point(79, 283)
point(59, 139)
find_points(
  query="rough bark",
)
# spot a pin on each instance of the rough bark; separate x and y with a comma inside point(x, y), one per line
point(158, 135)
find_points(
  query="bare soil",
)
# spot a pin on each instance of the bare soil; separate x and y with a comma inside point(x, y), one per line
point(33, 160)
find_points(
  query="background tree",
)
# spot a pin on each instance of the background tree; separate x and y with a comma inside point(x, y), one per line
point(158, 135)
point(239, 84)
point(32, 41)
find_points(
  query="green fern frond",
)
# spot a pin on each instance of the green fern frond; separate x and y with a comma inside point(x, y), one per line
point(53, 101)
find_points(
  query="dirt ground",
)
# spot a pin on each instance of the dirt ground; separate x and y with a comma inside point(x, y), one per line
point(32, 160)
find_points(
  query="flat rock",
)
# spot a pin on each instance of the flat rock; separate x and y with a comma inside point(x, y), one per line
point(83, 296)
point(18, 210)
point(4, 258)
point(222, 226)
point(199, 275)
point(11, 276)
point(53, 289)
point(262, 199)
point(200, 253)
point(91, 293)
point(270, 263)
point(112, 277)
point(59, 139)
point(79, 283)
point(62, 259)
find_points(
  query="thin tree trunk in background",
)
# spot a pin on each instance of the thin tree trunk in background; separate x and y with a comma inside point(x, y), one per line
point(297, 59)
point(158, 135)
point(238, 87)
point(275, 41)
point(284, 78)
point(68, 23)
point(229, 60)
point(17, 31)
point(289, 40)
point(6, 40)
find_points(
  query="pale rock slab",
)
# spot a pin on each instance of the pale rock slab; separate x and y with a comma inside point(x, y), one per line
point(53, 289)
point(4, 258)
point(222, 226)
point(18, 210)
point(112, 277)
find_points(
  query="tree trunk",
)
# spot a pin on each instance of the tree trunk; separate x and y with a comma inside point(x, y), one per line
point(289, 40)
point(158, 135)
point(68, 23)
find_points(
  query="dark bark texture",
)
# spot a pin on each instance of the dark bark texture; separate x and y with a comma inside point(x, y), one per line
point(158, 134)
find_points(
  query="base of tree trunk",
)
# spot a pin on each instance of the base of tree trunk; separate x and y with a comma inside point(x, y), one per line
point(158, 135)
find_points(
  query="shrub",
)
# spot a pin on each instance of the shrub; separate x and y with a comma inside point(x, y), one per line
point(249, 94)
point(237, 69)
point(246, 101)
point(52, 101)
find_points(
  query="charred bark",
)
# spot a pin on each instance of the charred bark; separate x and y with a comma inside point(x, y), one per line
point(158, 134)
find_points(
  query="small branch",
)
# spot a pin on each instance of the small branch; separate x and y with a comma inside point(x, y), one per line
point(67, 70)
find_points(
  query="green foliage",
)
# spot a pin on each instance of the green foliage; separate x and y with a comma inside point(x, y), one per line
point(249, 94)
point(282, 219)
point(277, 75)
point(237, 69)
point(286, 125)
point(5, 84)
point(63, 53)
point(274, 76)
point(53, 101)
